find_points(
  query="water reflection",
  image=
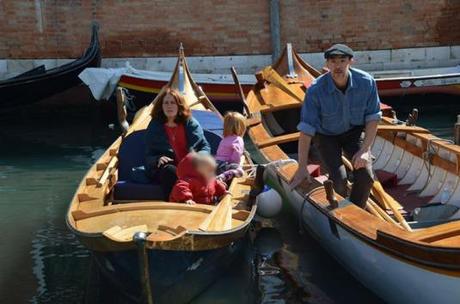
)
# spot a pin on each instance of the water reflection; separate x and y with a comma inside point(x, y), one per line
point(44, 152)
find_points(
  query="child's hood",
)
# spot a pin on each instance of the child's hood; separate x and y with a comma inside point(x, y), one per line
point(185, 168)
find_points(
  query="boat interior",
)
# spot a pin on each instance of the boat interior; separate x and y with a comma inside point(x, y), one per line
point(117, 199)
point(417, 169)
point(419, 172)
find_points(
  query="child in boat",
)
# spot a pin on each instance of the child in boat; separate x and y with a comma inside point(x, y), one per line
point(231, 147)
point(197, 182)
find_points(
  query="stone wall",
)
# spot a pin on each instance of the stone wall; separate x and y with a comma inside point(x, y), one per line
point(376, 60)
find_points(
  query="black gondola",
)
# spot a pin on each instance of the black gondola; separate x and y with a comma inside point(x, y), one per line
point(38, 83)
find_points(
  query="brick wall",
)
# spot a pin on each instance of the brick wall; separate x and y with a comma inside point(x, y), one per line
point(138, 28)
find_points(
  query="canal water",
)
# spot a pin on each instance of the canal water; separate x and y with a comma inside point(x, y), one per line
point(45, 150)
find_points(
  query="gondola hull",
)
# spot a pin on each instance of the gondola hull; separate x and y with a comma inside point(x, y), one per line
point(35, 85)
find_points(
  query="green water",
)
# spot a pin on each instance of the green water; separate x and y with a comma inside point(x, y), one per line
point(46, 149)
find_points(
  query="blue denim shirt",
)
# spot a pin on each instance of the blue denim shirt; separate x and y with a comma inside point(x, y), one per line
point(328, 111)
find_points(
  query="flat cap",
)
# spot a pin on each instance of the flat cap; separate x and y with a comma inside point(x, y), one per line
point(338, 50)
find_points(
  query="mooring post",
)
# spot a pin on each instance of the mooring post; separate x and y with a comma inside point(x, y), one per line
point(457, 131)
point(330, 195)
point(121, 111)
point(140, 238)
point(275, 29)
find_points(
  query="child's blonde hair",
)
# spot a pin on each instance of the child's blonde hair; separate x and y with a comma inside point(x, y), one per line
point(234, 124)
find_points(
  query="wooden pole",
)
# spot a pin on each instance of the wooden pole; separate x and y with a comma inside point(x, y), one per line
point(457, 131)
point(121, 111)
point(240, 91)
point(329, 188)
point(275, 29)
point(140, 238)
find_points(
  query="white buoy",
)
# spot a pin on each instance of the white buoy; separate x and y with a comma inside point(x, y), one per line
point(269, 203)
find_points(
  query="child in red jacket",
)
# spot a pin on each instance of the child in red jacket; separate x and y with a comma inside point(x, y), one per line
point(197, 181)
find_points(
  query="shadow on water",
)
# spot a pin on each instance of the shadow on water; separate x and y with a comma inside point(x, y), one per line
point(46, 148)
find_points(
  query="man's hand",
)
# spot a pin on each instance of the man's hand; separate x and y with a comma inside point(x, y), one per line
point(300, 175)
point(164, 160)
point(361, 159)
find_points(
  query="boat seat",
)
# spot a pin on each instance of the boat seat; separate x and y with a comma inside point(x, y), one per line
point(133, 183)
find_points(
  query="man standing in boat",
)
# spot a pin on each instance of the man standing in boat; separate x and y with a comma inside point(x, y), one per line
point(338, 107)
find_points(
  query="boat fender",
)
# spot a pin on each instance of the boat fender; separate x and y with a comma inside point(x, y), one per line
point(269, 203)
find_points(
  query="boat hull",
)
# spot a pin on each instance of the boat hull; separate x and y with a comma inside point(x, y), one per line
point(38, 84)
point(225, 97)
point(436, 84)
point(393, 279)
point(175, 276)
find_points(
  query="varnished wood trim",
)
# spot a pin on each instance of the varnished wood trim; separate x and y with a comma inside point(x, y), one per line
point(279, 140)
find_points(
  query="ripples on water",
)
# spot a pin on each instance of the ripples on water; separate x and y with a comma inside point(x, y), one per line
point(44, 152)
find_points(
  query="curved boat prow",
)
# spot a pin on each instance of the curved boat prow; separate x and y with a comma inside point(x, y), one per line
point(110, 207)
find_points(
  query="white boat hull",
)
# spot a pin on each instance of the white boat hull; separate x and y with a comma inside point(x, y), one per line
point(391, 278)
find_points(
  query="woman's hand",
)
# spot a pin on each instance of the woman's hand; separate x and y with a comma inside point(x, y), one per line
point(190, 202)
point(164, 160)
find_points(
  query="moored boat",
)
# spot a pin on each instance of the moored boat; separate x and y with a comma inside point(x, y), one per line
point(414, 82)
point(181, 249)
point(144, 85)
point(405, 246)
point(39, 83)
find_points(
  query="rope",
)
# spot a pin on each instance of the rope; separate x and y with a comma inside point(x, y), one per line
point(427, 156)
point(300, 222)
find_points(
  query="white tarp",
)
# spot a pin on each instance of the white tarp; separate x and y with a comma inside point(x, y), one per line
point(103, 82)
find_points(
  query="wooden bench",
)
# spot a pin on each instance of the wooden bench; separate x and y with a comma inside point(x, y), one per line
point(281, 139)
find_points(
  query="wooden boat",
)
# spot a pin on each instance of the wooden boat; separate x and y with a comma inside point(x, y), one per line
point(403, 256)
point(39, 83)
point(427, 81)
point(184, 248)
point(144, 85)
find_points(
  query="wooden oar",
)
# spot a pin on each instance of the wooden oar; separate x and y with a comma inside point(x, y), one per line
point(390, 201)
point(274, 78)
point(220, 219)
point(376, 210)
point(387, 199)
point(240, 91)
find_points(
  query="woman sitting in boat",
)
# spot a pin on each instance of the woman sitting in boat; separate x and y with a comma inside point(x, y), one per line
point(171, 135)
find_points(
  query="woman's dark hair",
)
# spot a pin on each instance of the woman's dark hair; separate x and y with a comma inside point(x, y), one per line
point(183, 111)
